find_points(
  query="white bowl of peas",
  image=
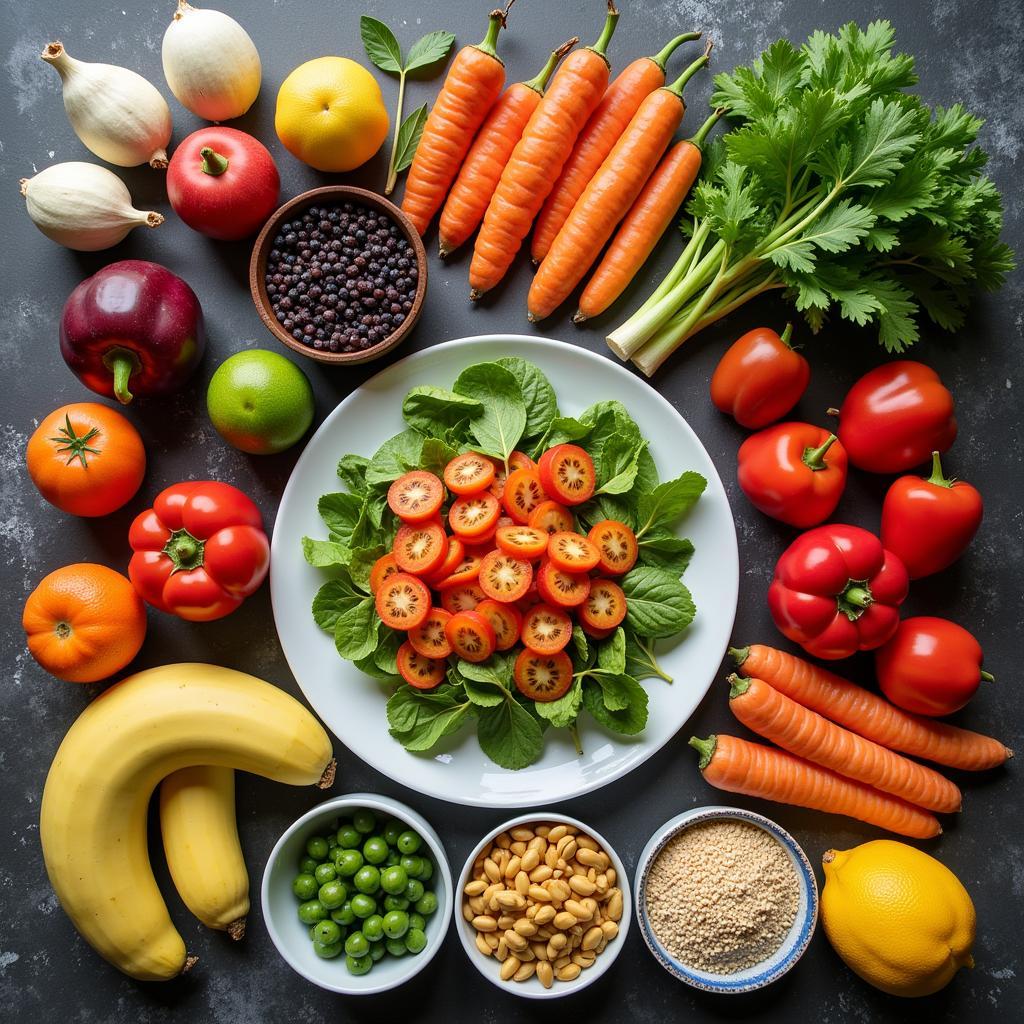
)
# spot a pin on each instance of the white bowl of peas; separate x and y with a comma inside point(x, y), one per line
point(357, 894)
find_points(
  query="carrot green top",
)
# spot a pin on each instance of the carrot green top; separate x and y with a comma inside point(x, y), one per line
point(540, 81)
point(607, 32)
point(680, 83)
point(661, 57)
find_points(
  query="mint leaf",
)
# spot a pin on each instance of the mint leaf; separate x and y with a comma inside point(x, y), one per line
point(340, 512)
point(619, 464)
point(381, 45)
point(355, 631)
point(435, 455)
point(419, 719)
point(657, 603)
point(641, 662)
point(509, 735)
point(669, 501)
point(427, 51)
point(385, 656)
point(333, 599)
point(323, 554)
point(580, 647)
point(487, 682)
point(629, 720)
point(611, 653)
point(616, 690)
point(563, 712)
point(500, 424)
point(665, 551)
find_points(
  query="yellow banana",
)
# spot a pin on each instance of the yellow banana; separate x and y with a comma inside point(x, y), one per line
point(200, 834)
point(93, 814)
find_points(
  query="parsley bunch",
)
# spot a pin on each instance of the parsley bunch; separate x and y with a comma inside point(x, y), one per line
point(839, 187)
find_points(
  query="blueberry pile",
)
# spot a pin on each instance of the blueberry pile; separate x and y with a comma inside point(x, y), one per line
point(341, 278)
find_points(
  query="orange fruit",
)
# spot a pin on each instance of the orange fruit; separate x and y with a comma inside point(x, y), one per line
point(84, 622)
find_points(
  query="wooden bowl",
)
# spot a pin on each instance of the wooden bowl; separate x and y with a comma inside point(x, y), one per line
point(333, 195)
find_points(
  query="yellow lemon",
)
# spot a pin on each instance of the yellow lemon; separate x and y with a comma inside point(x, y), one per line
point(330, 114)
point(897, 917)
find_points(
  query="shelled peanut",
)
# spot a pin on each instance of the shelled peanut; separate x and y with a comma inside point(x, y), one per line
point(543, 901)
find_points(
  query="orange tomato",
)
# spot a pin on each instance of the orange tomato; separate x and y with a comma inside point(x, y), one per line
point(86, 459)
point(84, 622)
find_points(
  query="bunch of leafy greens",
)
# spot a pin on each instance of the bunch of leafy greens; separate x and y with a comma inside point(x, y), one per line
point(839, 187)
point(496, 408)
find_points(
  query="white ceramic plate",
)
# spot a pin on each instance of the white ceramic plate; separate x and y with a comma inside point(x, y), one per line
point(352, 705)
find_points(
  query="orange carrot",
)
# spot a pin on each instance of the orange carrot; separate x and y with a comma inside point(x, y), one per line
point(609, 195)
point(489, 153)
point(655, 208)
point(802, 732)
point(470, 89)
point(868, 714)
point(737, 766)
point(606, 124)
point(538, 157)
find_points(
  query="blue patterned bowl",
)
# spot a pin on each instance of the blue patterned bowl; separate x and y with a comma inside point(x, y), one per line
point(795, 942)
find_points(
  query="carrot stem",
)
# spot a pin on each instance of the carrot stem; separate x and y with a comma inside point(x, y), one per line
point(540, 80)
point(706, 749)
point(701, 135)
point(702, 61)
point(661, 57)
point(489, 43)
point(610, 21)
point(738, 685)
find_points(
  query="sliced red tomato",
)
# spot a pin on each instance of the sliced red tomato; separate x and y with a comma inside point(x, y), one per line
point(384, 567)
point(462, 598)
point(551, 517)
point(505, 620)
point(616, 545)
point(452, 560)
point(530, 598)
point(566, 589)
point(473, 515)
point(504, 577)
point(402, 601)
point(542, 677)
point(420, 548)
point(428, 637)
point(416, 496)
point(546, 630)
point(522, 494)
point(418, 670)
point(597, 634)
point(605, 606)
point(469, 473)
point(520, 460)
point(465, 572)
point(572, 551)
point(521, 541)
point(471, 636)
point(517, 460)
point(567, 474)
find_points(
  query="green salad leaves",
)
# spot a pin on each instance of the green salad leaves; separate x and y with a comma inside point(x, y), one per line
point(497, 408)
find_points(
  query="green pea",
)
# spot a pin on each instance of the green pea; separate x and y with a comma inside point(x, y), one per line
point(317, 847)
point(327, 952)
point(326, 932)
point(393, 858)
point(332, 894)
point(364, 821)
point(396, 947)
point(427, 871)
point(426, 904)
point(325, 873)
point(413, 865)
point(396, 903)
point(348, 838)
point(375, 850)
point(415, 940)
point(373, 928)
point(312, 911)
point(414, 890)
point(377, 951)
point(343, 915)
point(357, 945)
point(332, 842)
point(349, 863)
point(409, 842)
point(417, 921)
point(393, 828)
point(363, 906)
point(396, 924)
point(307, 865)
point(304, 886)
point(359, 964)
point(393, 880)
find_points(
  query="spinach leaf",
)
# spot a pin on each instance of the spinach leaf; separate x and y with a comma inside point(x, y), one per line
point(611, 653)
point(628, 720)
point(333, 599)
point(341, 512)
point(646, 473)
point(657, 603)
point(618, 464)
point(538, 394)
point(355, 631)
point(581, 648)
point(487, 682)
point(666, 551)
point(370, 668)
point(563, 712)
point(500, 425)
point(361, 562)
point(418, 719)
point(509, 735)
point(385, 656)
point(616, 690)
point(352, 470)
point(669, 501)
point(621, 507)
point(434, 411)
point(641, 662)
point(323, 554)
point(395, 456)
point(435, 455)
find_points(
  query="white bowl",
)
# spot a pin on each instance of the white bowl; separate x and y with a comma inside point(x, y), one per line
point(796, 940)
point(291, 936)
point(489, 967)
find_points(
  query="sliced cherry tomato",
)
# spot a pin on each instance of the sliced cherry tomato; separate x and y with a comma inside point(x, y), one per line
point(452, 560)
point(546, 630)
point(473, 515)
point(416, 496)
point(597, 634)
point(403, 601)
point(418, 670)
point(384, 567)
point(530, 598)
point(428, 637)
point(465, 572)
point(462, 598)
point(542, 677)
point(471, 636)
point(616, 545)
point(520, 460)
point(469, 473)
point(521, 541)
point(605, 606)
point(420, 548)
point(551, 517)
point(517, 460)
point(572, 552)
point(567, 474)
point(522, 494)
point(566, 589)
point(504, 577)
point(505, 620)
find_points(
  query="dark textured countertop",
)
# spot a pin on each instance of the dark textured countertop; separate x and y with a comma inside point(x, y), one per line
point(966, 51)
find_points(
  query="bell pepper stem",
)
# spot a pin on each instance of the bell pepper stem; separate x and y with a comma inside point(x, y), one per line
point(987, 677)
point(213, 163)
point(184, 551)
point(706, 749)
point(938, 478)
point(814, 458)
point(122, 364)
point(859, 597)
point(786, 337)
point(738, 685)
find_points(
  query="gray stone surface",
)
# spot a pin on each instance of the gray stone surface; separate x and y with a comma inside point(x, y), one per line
point(967, 51)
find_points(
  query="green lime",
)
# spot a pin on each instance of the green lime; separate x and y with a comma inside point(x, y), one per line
point(260, 402)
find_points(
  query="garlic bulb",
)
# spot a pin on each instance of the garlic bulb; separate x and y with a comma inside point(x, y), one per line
point(114, 111)
point(210, 63)
point(83, 206)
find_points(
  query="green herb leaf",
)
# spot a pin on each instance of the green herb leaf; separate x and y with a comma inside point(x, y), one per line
point(500, 425)
point(629, 720)
point(341, 512)
point(409, 135)
point(509, 735)
point(563, 712)
point(641, 662)
point(385, 657)
point(427, 52)
point(611, 653)
point(666, 551)
point(361, 561)
point(580, 647)
point(355, 631)
point(487, 682)
point(381, 45)
point(323, 554)
point(352, 470)
point(616, 691)
point(420, 719)
point(333, 599)
point(657, 603)
point(435, 455)
point(619, 464)
point(538, 394)
point(394, 457)
point(669, 501)
point(434, 411)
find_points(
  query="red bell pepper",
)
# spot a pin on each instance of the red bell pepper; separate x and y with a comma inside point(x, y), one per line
point(793, 472)
point(760, 378)
point(836, 591)
point(199, 551)
point(930, 522)
point(895, 416)
point(930, 666)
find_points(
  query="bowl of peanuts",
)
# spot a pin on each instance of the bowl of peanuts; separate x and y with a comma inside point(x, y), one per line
point(544, 906)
